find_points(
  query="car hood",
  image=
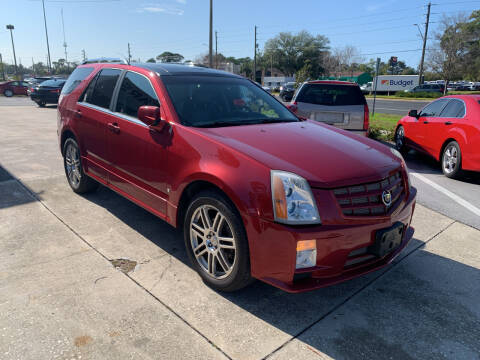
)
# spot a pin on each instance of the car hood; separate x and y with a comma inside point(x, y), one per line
point(326, 156)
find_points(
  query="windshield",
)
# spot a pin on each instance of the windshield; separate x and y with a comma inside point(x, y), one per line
point(207, 101)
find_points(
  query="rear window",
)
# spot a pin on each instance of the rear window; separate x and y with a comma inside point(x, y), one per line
point(331, 95)
point(52, 83)
point(75, 78)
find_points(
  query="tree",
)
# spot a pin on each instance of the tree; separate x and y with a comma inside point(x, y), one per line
point(168, 56)
point(471, 58)
point(288, 52)
point(151, 60)
point(446, 59)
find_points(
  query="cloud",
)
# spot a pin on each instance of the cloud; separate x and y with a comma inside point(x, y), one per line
point(160, 8)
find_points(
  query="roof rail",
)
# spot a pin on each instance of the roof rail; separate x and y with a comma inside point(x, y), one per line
point(105, 60)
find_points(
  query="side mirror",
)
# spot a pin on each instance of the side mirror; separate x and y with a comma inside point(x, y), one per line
point(413, 113)
point(150, 115)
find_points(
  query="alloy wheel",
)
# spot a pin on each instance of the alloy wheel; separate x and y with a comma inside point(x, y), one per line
point(400, 138)
point(213, 241)
point(450, 159)
point(72, 164)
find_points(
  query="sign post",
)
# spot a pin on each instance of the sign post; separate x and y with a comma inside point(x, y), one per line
point(375, 86)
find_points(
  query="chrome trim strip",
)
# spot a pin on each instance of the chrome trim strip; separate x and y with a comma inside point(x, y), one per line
point(109, 112)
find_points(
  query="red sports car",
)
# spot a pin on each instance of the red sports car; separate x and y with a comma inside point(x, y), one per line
point(11, 88)
point(447, 129)
point(258, 192)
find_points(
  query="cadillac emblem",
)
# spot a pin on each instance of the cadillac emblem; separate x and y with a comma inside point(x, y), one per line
point(387, 198)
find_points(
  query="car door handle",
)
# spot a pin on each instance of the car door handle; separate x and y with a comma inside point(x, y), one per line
point(425, 122)
point(448, 123)
point(114, 127)
point(78, 114)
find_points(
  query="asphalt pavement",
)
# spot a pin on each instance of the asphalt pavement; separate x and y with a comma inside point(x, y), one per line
point(63, 294)
point(398, 107)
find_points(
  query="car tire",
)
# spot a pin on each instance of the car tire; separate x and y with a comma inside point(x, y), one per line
point(72, 162)
point(452, 160)
point(41, 104)
point(400, 140)
point(222, 264)
point(8, 93)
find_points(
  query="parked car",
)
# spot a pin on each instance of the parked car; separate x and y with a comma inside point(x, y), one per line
point(258, 192)
point(10, 88)
point(47, 92)
point(439, 88)
point(287, 91)
point(367, 88)
point(338, 103)
point(448, 129)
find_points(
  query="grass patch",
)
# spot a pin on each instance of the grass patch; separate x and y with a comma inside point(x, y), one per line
point(464, 93)
point(395, 97)
point(382, 126)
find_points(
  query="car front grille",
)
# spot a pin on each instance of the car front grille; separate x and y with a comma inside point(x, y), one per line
point(367, 199)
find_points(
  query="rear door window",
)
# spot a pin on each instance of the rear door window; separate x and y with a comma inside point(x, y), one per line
point(454, 109)
point(75, 78)
point(433, 109)
point(331, 95)
point(135, 91)
point(104, 86)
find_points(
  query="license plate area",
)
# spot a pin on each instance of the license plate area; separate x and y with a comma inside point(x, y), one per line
point(387, 240)
point(330, 117)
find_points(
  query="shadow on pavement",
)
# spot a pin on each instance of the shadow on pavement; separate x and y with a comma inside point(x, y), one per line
point(13, 192)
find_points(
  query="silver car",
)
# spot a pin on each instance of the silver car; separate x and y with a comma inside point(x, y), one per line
point(338, 103)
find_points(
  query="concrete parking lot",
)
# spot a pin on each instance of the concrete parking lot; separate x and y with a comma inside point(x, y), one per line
point(97, 277)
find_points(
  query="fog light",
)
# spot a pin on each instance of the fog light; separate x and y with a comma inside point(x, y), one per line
point(306, 254)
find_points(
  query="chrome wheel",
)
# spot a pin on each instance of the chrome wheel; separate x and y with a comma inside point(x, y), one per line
point(213, 241)
point(400, 138)
point(72, 165)
point(450, 159)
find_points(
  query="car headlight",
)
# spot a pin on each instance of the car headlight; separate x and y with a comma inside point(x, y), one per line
point(399, 155)
point(293, 202)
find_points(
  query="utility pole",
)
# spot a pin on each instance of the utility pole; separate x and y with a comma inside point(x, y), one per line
point(216, 50)
point(255, 57)
point(3, 68)
point(64, 41)
point(420, 73)
point(271, 65)
point(11, 27)
point(84, 55)
point(129, 54)
point(33, 67)
point(49, 62)
point(210, 45)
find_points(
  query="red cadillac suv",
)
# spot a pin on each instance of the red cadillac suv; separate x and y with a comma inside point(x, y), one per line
point(258, 192)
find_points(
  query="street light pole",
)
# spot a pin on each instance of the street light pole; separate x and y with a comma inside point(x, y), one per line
point(46, 35)
point(11, 27)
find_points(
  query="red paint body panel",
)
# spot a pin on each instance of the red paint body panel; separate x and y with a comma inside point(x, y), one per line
point(430, 134)
point(153, 168)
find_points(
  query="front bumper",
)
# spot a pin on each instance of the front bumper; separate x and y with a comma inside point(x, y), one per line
point(273, 249)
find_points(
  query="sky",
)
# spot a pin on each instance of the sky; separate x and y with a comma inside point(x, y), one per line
point(103, 28)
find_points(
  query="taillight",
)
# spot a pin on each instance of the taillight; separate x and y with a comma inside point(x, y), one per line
point(366, 117)
point(32, 90)
point(292, 107)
